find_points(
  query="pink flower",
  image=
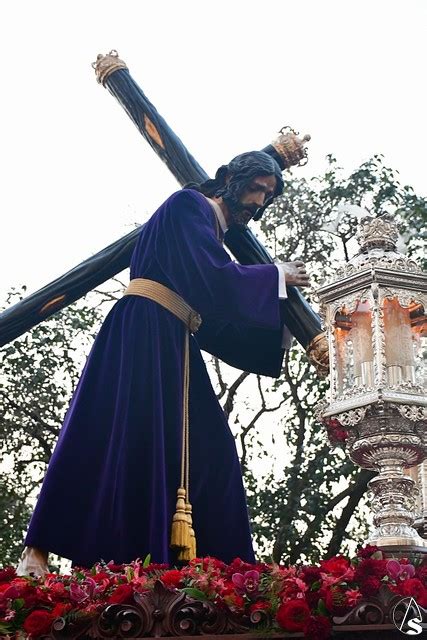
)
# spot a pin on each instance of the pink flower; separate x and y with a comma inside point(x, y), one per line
point(218, 585)
point(329, 580)
point(140, 584)
point(82, 591)
point(10, 615)
point(293, 588)
point(398, 571)
point(353, 596)
point(246, 583)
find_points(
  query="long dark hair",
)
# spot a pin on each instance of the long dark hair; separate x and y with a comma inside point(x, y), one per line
point(240, 171)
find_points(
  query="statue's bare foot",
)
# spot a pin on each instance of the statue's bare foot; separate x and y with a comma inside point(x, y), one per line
point(33, 561)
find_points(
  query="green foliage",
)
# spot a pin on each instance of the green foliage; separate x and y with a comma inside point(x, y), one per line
point(38, 373)
point(15, 513)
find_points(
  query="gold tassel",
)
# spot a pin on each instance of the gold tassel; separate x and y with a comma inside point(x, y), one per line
point(180, 535)
point(187, 554)
point(184, 555)
point(192, 535)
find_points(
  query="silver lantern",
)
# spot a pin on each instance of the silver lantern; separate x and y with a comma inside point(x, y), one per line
point(374, 312)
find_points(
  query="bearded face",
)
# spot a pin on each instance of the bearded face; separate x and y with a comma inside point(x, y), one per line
point(245, 198)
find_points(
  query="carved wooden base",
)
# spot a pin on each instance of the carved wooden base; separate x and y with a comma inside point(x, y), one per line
point(371, 632)
point(163, 612)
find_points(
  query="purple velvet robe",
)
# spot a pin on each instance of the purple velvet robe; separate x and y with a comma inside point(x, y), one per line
point(110, 489)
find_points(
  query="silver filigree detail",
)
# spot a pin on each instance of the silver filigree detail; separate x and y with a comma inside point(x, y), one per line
point(412, 412)
point(379, 232)
point(378, 258)
point(352, 417)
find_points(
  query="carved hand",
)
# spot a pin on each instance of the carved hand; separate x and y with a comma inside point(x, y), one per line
point(296, 274)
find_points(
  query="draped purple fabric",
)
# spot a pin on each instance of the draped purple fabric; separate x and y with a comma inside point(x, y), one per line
point(110, 489)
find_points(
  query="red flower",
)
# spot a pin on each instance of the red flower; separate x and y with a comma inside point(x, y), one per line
point(367, 551)
point(415, 588)
point(235, 602)
point(333, 423)
point(227, 588)
point(293, 615)
point(336, 431)
point(57, 591)
point(121, 595)
point(370, 568)
point(6, 574)
point(313, 597)
point(153, 567)
point(261, 604)
point(115, 568)
point(318, 628)
point(369, 586)
point(212, 563)
point(238, 601)
point(237, 566)
point(60, 609)
point(310, 574)
point(100, 577)
point(336, 566)
point(171, 578)
point(19, 588)
point(336, 601)
point(338, 435)
point(421, 574)
point(38, 623)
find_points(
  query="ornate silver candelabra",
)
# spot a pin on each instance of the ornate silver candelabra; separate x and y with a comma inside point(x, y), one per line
point(375, 318)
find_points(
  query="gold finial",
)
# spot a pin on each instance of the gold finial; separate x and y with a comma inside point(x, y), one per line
point(291, 148)
point(106, 65)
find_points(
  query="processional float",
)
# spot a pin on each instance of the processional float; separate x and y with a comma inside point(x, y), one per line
point(288, 149)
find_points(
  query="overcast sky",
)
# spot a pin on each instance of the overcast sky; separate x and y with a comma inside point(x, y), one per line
point(75, 173)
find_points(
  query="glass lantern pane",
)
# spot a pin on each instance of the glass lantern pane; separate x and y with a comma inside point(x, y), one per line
point(404, 329)
point(353, 340)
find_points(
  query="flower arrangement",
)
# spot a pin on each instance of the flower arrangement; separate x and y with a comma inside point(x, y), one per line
point(292, 598)
point(337, 433)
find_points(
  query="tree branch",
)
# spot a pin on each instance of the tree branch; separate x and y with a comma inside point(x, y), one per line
point(358, 491)
point(260, 412)
point(320, 517)
point(229, 403)
point(222, 385)
point(290, 509)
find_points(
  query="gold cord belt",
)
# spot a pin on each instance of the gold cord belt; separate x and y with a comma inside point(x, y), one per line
point(167, 299)
point(182, 537)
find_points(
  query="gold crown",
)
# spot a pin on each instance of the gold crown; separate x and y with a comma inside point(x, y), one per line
point(106, 65)
point(290, 148)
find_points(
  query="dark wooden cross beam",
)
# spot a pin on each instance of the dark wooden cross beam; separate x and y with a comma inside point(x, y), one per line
point(301, 320)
